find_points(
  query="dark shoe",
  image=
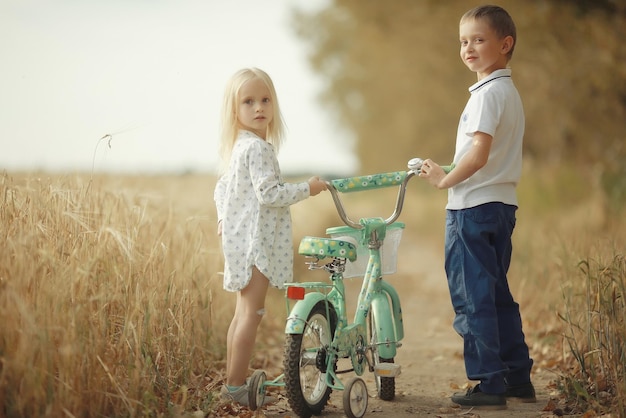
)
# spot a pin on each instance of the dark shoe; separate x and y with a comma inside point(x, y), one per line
point(521, 393)
point(477, 399)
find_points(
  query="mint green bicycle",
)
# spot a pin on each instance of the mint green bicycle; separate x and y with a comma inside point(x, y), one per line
point(318, 332)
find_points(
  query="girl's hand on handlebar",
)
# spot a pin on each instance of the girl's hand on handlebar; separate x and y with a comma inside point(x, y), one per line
point(316, 185)
point(432, 172)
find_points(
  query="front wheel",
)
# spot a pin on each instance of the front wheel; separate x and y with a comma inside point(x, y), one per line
point(305, 362)
point(385, 386)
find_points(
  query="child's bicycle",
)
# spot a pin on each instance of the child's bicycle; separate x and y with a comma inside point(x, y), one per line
point(318, 332)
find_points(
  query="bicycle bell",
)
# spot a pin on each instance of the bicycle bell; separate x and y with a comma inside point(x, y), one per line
point(415, 164)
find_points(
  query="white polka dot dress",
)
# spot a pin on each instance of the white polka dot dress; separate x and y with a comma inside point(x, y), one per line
point(253, 204)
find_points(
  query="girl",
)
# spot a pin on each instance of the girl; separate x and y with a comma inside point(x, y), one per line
point(253, 213)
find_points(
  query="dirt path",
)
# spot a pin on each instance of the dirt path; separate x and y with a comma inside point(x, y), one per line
point(431, 354)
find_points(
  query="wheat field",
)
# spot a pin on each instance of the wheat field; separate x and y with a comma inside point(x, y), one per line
point(111, 300)
point(107, 290)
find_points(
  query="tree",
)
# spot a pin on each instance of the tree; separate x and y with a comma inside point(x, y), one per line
point(394, 78)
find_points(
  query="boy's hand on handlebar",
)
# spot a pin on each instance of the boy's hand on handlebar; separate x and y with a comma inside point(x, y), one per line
point(316, 185)
point(432, 172)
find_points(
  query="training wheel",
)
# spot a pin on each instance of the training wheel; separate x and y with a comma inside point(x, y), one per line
point(355, 398)
point(256, 389)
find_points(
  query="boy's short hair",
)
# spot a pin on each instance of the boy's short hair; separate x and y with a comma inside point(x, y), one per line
point(499, 20)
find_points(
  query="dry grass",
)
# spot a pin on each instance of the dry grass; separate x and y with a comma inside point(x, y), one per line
point(569, 261)
point(106, 298)
point(111, 301)
point(595, 338)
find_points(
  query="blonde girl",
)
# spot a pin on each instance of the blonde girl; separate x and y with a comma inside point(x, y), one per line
point(254, 218)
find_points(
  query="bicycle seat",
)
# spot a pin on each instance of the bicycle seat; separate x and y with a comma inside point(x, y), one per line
point(327, 247)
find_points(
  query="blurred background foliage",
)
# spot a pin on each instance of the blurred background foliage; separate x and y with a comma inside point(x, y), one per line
point(395, 80)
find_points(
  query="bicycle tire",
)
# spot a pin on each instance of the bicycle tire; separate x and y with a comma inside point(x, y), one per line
point(355, 398)
point(256, 391)
point(301, 362)
point(385, 386)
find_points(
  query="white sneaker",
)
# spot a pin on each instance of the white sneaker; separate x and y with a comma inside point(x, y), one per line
point(241, 396)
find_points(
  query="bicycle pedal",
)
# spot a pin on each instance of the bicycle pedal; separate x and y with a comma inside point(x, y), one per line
point(387, 370)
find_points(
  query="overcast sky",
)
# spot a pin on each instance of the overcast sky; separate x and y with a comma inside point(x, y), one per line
point(151, 73)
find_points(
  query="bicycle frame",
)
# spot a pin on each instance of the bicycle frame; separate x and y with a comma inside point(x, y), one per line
point(376, 297)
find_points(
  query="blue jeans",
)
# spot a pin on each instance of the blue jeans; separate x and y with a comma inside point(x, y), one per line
point(478, 253)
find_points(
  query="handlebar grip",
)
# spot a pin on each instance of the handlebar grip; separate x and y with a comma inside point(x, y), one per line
point(448, 168)
point(368, 182)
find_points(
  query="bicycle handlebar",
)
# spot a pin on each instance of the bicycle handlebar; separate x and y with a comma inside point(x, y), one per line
point(370, 182)
point(376, 181)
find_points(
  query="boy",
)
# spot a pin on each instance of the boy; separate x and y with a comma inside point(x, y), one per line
point(480, 216)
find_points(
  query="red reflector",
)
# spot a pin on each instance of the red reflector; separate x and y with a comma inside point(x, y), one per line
point(296, 293)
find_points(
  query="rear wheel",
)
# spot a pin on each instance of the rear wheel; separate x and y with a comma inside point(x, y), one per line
point(385, 386)
point(305, 362)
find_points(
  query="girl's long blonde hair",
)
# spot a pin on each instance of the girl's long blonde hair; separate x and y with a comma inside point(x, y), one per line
point(230, 117)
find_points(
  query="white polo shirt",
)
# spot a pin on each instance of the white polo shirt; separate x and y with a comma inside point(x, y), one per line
point(494, 108)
